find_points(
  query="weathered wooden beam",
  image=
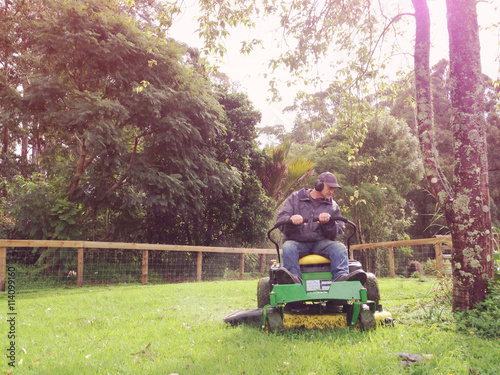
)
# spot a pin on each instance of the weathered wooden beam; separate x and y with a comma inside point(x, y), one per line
point(262, 263)
point(79, 272)
point(422, 241)
point(242, 266)
point(438, 248)
point(145, 256)
point(205, 249)
point(131, 246)
point(199, 267)
point(392, 269)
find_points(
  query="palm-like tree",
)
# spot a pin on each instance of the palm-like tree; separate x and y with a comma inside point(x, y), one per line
point(279, 177)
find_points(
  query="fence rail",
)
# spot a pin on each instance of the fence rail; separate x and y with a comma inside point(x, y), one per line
point(440, 243)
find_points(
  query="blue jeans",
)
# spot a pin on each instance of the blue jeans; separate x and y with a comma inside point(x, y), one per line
point(335, 251)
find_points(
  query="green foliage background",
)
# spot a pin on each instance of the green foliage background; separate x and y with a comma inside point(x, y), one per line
point(130, 140)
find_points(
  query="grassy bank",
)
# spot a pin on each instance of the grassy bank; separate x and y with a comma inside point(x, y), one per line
point(178, 328)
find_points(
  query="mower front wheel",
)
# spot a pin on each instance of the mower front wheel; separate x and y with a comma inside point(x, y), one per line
point(367, 318)
point(274, 320)
point(263, 292)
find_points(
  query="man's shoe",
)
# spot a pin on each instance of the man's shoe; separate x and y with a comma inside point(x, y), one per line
point(358, 275)
point(283, 276)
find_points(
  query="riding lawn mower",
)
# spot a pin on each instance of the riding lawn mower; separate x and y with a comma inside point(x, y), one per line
point(284, 302)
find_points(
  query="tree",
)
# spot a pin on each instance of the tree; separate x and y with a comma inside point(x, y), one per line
point(400, 107)
point(466, 204)
point(12, 66)
point(279, 175)
point(233, 215)
point(119, 124)
point(377, 181)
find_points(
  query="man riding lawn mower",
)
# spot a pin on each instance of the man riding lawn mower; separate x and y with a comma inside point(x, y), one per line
point(313, 284)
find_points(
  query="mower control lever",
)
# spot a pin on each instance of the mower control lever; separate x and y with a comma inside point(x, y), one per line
point(289, 222)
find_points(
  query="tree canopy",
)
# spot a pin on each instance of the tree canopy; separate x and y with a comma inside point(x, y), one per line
point(120, 126)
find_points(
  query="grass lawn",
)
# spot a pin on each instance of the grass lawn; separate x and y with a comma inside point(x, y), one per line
point(178, 329)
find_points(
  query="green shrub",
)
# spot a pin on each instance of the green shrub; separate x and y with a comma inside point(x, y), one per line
point(484, 319)
point(438, 309)
point(430, 267)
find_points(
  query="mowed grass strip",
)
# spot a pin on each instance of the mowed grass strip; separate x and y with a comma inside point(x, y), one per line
point(178, 328)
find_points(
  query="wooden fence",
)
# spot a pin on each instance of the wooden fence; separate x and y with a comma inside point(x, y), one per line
point(440, 243)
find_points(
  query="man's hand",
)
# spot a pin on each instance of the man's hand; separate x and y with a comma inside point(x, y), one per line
point(324, 217)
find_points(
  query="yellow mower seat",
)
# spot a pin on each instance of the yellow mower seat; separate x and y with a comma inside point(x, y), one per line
point(313, 259)
point(318, 263)
point(314, 263)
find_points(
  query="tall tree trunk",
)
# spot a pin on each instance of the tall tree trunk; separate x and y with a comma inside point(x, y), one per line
point(471, 227)
point(466, 207)
point(425, 114)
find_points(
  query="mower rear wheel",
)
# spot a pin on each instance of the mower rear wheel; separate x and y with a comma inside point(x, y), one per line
point(263, 292)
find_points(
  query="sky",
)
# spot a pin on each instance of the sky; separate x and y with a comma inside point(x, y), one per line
point(249, 70)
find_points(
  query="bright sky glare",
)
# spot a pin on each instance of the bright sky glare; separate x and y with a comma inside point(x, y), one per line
point(249, 70)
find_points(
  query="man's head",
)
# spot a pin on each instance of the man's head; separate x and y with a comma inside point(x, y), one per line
point(326, 178)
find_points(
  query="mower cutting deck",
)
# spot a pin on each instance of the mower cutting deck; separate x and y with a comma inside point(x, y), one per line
point(316, 302)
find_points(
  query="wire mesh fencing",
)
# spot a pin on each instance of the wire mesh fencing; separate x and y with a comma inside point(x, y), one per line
point(408, 261)
point(45, 267)
point(58, 267)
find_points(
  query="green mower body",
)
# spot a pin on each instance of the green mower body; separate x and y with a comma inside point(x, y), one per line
point(316, 301)
point(292, 305)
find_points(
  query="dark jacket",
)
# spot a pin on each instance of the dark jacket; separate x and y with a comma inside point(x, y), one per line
point(300, 202)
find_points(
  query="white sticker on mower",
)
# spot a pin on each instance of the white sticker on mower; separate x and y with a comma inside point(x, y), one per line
point(318, 285)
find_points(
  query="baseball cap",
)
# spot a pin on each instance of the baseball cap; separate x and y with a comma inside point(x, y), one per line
point(329, 179)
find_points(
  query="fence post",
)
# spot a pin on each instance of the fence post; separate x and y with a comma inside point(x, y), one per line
point(79, 271)
point(262, 266)
point(438, 248)
point(145, 258)
point(391, 262)
point(242, 265)
point(3, 267)
point(199, 266)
